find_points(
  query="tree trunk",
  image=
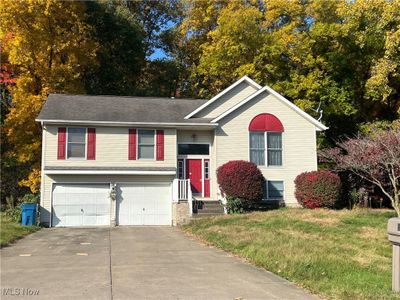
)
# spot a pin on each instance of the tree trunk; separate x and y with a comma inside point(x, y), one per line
point(396, 204)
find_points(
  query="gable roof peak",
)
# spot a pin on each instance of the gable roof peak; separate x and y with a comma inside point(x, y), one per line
point(319, 126)
point(229, 88)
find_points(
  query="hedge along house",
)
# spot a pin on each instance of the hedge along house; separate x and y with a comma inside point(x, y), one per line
point(110, 160)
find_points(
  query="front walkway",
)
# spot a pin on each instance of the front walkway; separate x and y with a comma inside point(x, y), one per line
point(132, 263)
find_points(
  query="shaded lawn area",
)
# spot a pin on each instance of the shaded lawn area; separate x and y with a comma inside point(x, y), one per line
point(11, 231)
point(335, 254)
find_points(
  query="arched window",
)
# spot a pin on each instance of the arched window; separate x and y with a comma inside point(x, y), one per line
point(266, 140)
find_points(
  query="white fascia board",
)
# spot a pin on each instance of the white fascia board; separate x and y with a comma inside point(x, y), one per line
point(111, 172)
point(108, 123)
point(244, 78)
point(319, 126)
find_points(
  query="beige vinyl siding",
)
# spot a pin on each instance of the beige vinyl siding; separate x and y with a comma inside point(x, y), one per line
point(228, 100)
point(111, 149)
point(299, 140)
point(194, 136)
point(49, 180)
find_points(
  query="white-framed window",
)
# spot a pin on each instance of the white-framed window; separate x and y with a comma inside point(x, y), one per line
point(181, 169)
point(146, 144)
point(274, 189)
point(76, 143)
point(257, 148)
point(266, 148)
point(206, 169)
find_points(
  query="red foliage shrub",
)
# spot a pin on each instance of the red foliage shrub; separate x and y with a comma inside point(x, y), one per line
point(374, 157)
point(317, 189)
point(241, 179)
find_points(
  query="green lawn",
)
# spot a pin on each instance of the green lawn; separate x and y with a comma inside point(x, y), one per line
point(10, 231)
point(335, 254)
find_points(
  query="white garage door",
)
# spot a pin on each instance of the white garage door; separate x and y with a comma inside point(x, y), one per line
point(81, 205)
point(144, 204)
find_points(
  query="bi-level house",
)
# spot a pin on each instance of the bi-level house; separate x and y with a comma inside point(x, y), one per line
point(111, 160)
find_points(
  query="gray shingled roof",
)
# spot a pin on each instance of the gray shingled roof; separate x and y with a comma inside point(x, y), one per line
point(119, 109)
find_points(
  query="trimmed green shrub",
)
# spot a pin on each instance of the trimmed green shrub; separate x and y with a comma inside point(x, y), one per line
point(318, 189)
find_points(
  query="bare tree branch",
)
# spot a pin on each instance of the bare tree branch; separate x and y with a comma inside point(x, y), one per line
point(374, 158)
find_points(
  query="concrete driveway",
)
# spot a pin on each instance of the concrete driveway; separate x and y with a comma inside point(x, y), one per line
point(131, 263)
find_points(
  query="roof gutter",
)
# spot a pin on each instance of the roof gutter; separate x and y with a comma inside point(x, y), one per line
point(106, 172)
point(109, 123)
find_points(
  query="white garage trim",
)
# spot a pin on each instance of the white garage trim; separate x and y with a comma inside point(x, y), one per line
point(167, 198)
point(54, 184)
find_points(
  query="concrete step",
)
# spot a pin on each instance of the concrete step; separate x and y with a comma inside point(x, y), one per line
point(205, 199)
point(208, 203)
point(215, 208)
point(211, 203)
point(210, 207)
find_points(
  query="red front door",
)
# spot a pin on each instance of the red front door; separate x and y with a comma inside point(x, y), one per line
point(193, 172)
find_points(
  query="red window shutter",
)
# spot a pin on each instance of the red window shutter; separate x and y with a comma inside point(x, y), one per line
point(132, 144)
point(62, 134)
point(91, 143)
point(160, 145)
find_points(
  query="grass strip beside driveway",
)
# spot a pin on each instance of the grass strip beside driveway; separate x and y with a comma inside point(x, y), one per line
point(336, 254)
point(11, 231)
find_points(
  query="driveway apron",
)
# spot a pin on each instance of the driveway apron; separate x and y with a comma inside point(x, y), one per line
point(132, 263)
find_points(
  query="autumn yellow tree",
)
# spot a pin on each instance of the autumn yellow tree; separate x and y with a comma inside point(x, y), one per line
point(340, 56)
point(50, 47)
point(230, 51)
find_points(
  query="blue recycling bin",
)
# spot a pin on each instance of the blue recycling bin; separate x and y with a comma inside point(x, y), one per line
point(29, 214)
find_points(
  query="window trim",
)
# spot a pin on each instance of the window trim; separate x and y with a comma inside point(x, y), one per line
point(250, 132)
point(275, 199)
point(206, 173)
point(154, 140)
point(181, 161)
point(266, 149)
point(67, 144)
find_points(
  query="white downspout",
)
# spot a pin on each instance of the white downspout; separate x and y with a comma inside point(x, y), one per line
point(42, 167)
